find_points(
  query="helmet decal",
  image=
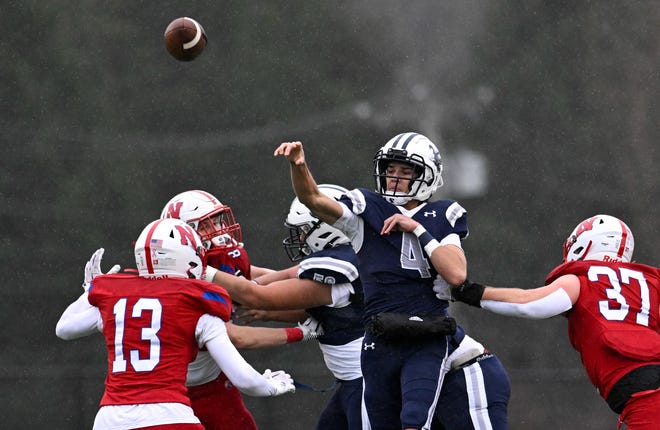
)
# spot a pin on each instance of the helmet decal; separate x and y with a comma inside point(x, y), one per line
point(174, 210)
point(187, 236)
point(586, 225)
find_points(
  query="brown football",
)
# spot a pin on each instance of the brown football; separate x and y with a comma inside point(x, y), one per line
point(185, 39)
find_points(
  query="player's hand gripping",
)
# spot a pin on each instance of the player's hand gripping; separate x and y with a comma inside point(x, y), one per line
point(311, 328)
point(93, 268)
point(468, 292)
point(292, 151)
point(281, 381)
point(399, 222)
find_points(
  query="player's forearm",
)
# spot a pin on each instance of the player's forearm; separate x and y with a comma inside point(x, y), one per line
point(241, 374)
point(305, 187)
point(245, 337)
point(240, 289)
point(277, 275)
point(547, 306)
point(258, 271)
point(450, 263)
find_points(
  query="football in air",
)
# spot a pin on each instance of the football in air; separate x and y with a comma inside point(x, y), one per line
point(185, 39)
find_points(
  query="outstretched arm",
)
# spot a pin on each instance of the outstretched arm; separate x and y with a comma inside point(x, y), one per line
point(286, 294)
point(212, 332)
point(538, 303)
point(278, 275)
point(249, 316)
point(326, 209)
point(249, 337)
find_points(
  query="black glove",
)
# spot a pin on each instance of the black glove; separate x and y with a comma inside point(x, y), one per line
point(468, 292)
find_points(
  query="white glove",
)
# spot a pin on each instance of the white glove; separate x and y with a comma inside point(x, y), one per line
point(281, 381)
point(441, 288)
point(311, 329)
point(93, 268)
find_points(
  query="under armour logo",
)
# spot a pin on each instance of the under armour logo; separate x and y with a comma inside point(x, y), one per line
point(431, 213)
point(371, 345)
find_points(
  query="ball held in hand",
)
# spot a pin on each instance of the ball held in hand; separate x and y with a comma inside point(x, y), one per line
point(185, 39)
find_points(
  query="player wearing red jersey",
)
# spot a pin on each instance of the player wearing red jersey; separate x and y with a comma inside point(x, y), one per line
point(154, 324)
point(221, 235)
point(613, 310)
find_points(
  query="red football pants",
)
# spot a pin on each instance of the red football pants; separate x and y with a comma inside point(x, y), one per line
point(642, 411)
point(219, 406)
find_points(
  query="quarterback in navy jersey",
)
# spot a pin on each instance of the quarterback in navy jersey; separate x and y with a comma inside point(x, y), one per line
point(398, 277)
point(410, 255)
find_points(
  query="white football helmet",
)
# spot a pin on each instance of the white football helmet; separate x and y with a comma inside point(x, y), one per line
point(418, 151)
point(307, 233)
point(169, 248)
point(601, 237)
point(213, 221)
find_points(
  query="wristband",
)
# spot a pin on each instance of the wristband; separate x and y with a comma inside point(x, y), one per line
point(427, 241)
point(209, 273)
point(293, 334)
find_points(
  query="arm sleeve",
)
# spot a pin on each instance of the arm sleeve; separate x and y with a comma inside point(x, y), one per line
point(341, 295)
point(78, 320)
point(451, 239)
point(352, 226)
point(212, 332)
point(553, 304)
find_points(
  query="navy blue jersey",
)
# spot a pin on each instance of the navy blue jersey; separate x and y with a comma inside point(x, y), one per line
point(396, 273)
point(338, 265)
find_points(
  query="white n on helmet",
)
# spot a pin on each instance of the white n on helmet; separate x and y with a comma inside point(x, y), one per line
point(169, 248)
point(601, 237)
point(418, 151)
point(213, 221)
point(307, 233)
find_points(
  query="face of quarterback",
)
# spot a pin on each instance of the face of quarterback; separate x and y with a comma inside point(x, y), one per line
point(398, 176)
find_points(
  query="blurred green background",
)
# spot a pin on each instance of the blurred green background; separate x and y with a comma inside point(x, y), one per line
point(545, 113)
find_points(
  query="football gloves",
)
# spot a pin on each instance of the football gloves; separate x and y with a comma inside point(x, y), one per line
point(93, 268)
point(281, 381)
point(311, 329)
point(468, 292)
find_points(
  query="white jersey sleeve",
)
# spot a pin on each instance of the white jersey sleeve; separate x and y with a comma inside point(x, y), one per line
point(212, 333)
point(352, 226)
point(553, 304)
point(79, 319)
